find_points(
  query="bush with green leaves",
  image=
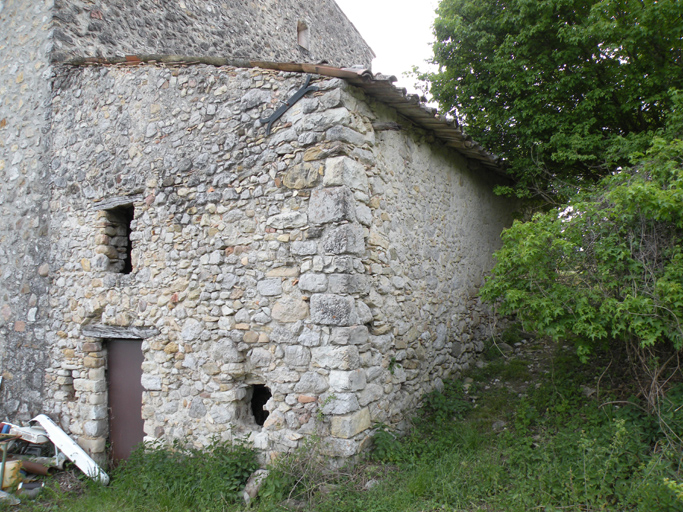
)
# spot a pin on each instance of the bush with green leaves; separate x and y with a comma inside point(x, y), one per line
point(610, 265)
point(446, 404)
point(386, 445)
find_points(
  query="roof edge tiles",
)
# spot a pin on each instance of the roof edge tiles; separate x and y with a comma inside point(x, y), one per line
point(377, 86)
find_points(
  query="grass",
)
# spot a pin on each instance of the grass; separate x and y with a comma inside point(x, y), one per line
point(563, 440)
point(162, 478)
point(558, 449)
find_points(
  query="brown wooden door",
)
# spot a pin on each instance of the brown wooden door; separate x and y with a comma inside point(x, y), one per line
point(125, 396)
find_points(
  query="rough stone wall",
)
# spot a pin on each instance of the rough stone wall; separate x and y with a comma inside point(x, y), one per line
point(261, 30)
point(221, 246)
point(435, 226)
point(296, 260)
point(334, 264)
point(25, 30)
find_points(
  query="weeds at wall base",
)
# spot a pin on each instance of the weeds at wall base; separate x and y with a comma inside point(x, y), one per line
point(531, 431)
point(560, 448)
point(158, 477)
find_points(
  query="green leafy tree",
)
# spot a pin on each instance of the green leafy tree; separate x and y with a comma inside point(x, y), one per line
point(564, 90)
point(581, 98)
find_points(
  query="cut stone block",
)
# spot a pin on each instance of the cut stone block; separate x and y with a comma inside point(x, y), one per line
point(289, 310)
point(328, 309)
point(311, 382)
point(296, 355)
point(349, 283)
point(345, 171)
point(331, 205)
point(339, 403)
point(338, 358)
point(270, 287)
point(349, 425)
point(354, 335)
point(300, 176)
point(344, 239)
point(314, 283)
point(288, 220)
point(347, 380)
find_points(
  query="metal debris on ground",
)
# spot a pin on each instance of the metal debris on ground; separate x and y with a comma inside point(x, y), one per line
point(36, 450)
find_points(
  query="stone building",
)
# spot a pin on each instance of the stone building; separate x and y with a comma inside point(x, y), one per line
point(167, 252)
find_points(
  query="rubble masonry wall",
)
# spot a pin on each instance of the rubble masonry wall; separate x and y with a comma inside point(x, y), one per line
point(263, 30)
point(35, 33)
point(25, 43)
point(333, 263)
point(435, 225)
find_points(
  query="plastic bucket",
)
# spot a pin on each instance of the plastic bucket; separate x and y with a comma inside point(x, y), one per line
point(12, 475)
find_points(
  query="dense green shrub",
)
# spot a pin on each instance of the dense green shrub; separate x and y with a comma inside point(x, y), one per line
point(609, 266)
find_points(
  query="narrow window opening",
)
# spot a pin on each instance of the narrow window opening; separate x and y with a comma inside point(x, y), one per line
point(261, 394)
point(117, 230)
point(302, 34)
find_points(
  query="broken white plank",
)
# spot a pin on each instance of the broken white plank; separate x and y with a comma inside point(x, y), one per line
point(74, 452)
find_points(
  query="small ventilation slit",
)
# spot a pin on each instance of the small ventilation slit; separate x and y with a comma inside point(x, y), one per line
point(261, 394)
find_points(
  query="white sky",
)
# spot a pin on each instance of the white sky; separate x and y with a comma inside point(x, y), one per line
point(399, 32)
